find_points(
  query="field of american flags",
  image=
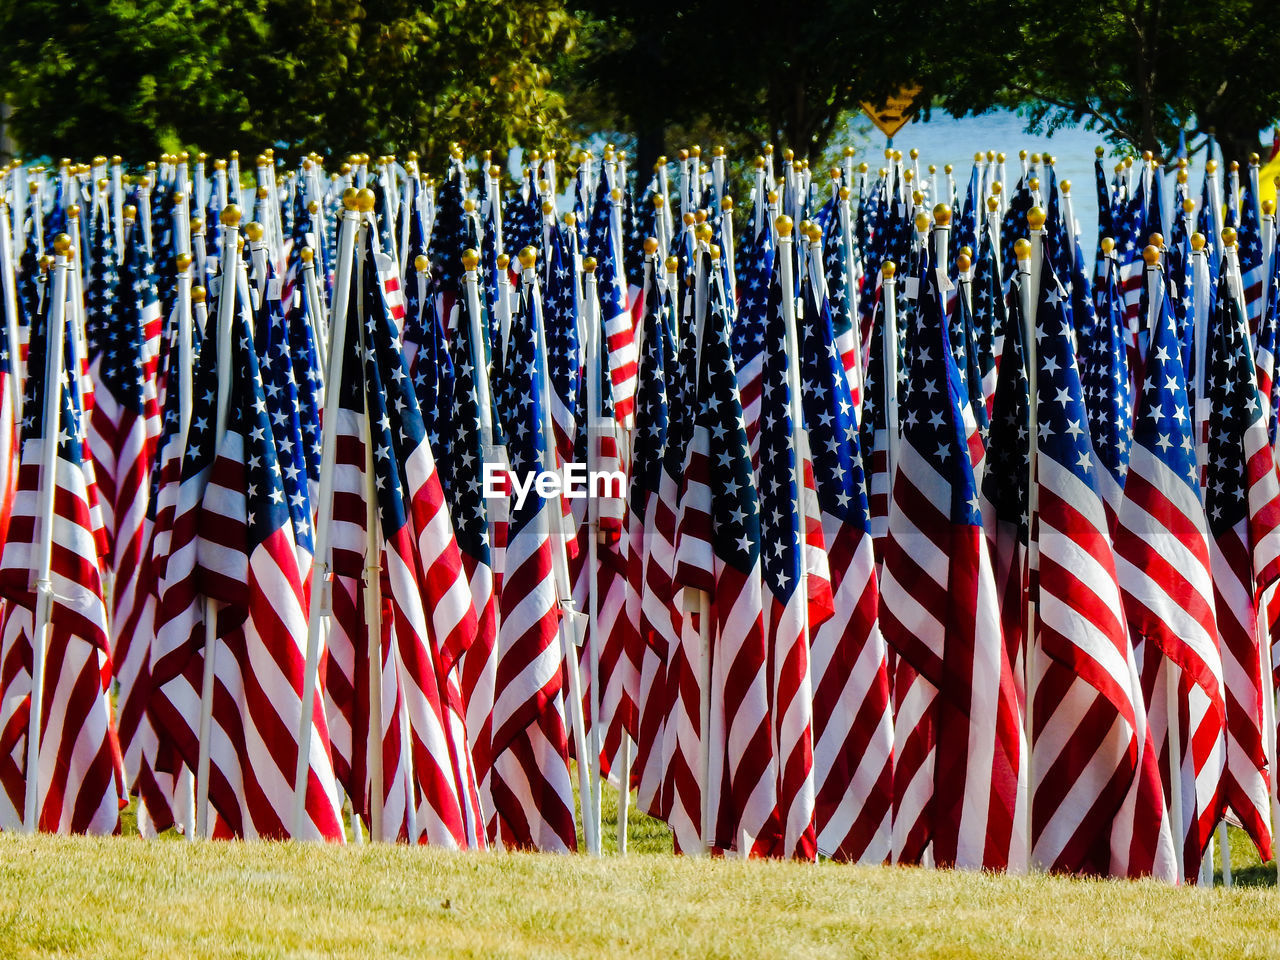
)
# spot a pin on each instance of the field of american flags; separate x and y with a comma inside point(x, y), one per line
point(938, 543)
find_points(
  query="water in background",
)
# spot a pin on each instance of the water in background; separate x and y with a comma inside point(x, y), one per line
point(946, 139)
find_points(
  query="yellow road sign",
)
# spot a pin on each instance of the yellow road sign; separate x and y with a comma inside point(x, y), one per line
point(896, 112)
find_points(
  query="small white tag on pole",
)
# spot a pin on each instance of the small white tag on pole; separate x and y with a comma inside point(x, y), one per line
point(576, 623)
point(911, 288)
point(275, 288)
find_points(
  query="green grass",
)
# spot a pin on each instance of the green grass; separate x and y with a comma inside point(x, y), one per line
point(124, 897)
point(128, 898)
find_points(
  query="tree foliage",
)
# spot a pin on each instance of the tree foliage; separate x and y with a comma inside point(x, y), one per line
point(140, 76)
point(1136, 71)
point(756, 71)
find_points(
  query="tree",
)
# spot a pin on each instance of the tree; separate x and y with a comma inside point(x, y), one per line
point(757, 71)
point(137, 77)
point(1137, 71)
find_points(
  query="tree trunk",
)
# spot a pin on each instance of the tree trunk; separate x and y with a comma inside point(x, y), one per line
point(1238, 143)
point(649, 143)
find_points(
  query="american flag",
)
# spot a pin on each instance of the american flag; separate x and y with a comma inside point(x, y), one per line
point(304, 355)
point(530, 784)
point(430, 622)
point(718, 550)
point(1253, 271)
point(123, 428)
point(796, 580)
point(843, 301)
point(1209, 223)
point(150, 762)
point(1163, 566)
point(1096, 801)
point(748, 333)
point(1128, 252)
point(564, 360)
point(1106, 224)
point(232, 542)
point(1242, 502)
point(285, 409)
point(10, 413)
point(426, 350)
point(874, 424)
point(963, 342)
point(450, 235)
point(80, 787)
point(1014, 225)
point(597, 443)
point(971, 214)
point(960, 776)
point(461, 465)
point(1268, 347)
point(1108, 391)
point(1004, 489)
point(680, 793)
point(650, 529)
point(989, 321)
point(619, 327)
point(852, 715)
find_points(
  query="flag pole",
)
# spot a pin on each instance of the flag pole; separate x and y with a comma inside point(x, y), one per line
point(54, 345)
point(889, 304)
point(320, 596)
point(726, 244)
point(1201, 306)
point(8, 280)
point(372, 569)
point(502, 305)
point(1030, 260)
point(490, 452)
point(315, 307)
point(699, 601)
point(187, 297)
point(569, 628)
point(799, 449)
point(595, 433)
point(230, 218)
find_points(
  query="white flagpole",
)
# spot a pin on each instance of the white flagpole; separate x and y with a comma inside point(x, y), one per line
point(315, 307)
point(726, 243)
point(226, 311)
point(889, 304)
point(186, 298)
point(1200, 409)
point(1030, 254)
point(372, 567)
point(490, 452)
point(799, 440)
point(54, 345)
point(699, 601)
point(9, 282)
point(320, 595)
point(595, 427)
point(117, 203)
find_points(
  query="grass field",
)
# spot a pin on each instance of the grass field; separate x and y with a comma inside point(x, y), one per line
point(127, 898)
